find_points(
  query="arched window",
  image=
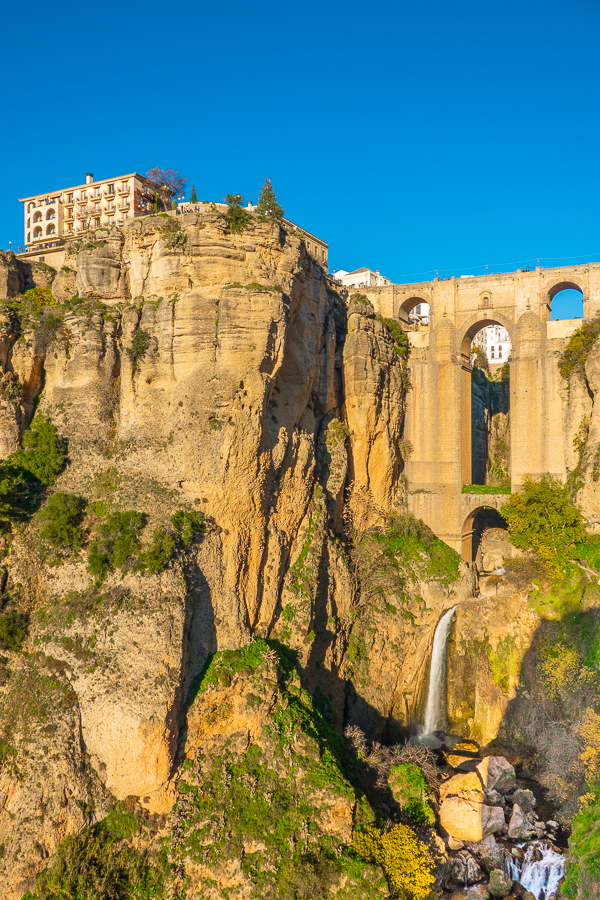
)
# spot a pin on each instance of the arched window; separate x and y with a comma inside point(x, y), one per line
point(37, 232)
point(51, 214)
point(37, 217)
point(30, 207)
point(486, 303)
point(28, 236)
point(50, 229)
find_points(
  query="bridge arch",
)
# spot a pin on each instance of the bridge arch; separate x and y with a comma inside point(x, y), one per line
point(469, 329)
point(471, 533)
point(482, 320)
point(409, 304)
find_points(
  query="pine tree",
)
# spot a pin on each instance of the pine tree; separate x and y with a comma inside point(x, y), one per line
point(267, 202)
point(193, 198)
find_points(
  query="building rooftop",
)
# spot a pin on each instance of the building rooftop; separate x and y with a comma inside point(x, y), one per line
point(86, 184)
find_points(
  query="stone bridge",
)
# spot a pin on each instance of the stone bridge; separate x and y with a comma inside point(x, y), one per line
point(438, 422)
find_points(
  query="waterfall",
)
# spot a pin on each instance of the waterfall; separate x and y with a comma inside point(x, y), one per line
point(433, 708)
point(541, 870)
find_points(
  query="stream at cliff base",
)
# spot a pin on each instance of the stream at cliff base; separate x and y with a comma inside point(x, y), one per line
point(541, 870)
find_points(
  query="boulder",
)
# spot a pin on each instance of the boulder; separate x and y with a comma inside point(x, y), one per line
point(525, 799)
point(479, 892)
point(466, 870)
point(521, 826)
point(494, 798)
point(463, 812)
point(500, 774)
point(500, 884)
point(489, 853)
point(462, 752)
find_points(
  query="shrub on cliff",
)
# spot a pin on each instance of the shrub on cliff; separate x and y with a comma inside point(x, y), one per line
point(399, 337)
point(100, 864)
point(186, 523)
point(575, 354)
point(542, 517)
point(44, 453)
point(117, 543)
point(60, 520)
point(403, 857)
point(158, 554)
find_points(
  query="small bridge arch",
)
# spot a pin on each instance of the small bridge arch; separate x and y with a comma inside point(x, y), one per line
point(475, 504)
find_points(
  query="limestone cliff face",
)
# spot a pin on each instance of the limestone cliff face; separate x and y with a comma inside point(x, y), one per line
point(208, 370)
point(588, 497)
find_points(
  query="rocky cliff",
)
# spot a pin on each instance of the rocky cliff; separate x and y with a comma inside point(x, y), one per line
point(221, 377)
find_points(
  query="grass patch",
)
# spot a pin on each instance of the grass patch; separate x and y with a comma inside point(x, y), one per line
point(485, 489)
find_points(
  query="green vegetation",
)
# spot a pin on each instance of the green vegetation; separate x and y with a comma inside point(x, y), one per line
point(60, 520)
point(542, 517)
point(486, 489)
point(412, 546)
point(403, 857)
point(267, 206)
point(139, 346)
point(193, 197)
point(187, 524)
point(25, 473)
point(158, 554)
point(400, 339)
point(410, 791)
point(236, 217)
point(117, 543)
point(13, 629)
point(582, 871)
point(481, 360)
point(44, 454)
point(575, 354)
point(178, 239)
point(101, 864)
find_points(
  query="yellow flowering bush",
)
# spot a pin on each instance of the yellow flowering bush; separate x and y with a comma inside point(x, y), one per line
point(402, 856)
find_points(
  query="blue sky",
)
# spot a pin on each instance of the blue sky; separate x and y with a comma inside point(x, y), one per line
point(414, 138)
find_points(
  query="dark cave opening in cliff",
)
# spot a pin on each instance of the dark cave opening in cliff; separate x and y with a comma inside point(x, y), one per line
point(490, 406)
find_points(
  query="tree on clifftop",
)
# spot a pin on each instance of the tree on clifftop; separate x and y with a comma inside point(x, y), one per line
point(193, 197)
point(169, 181)
point(267, 202)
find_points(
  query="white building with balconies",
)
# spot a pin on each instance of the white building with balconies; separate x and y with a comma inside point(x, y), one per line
point(51, 218)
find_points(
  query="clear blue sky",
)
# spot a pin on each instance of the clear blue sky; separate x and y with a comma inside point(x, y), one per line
point(413, 137)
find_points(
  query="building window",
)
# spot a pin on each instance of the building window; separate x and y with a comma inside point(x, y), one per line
point(28, 236)
point(30, 207)
point(37, 217)
point(28, 222)
point(50, 229)
point(111, 220)
point(51, 214)
point(69, 229)
point(96, 223)
point(111, 188)
point(486, 302)
point(499, 352)
point(84, 195)
point(69, 198)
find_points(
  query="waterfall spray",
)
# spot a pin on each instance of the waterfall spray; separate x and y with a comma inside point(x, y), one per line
point(433, 708)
